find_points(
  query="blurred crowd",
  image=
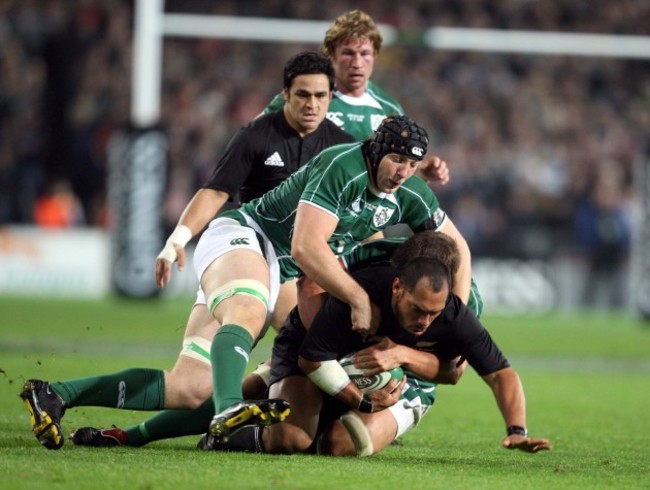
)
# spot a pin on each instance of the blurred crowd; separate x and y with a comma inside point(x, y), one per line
point(542, 149)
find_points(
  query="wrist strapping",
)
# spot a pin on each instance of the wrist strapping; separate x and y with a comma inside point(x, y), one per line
point(180, 236)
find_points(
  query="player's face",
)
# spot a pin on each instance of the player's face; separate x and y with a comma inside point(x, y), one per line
point(393, 171)
point(306, 102)
point(415, 310)
point(353, 62)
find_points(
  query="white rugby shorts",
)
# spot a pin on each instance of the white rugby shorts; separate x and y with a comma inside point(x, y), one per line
point(224, 235)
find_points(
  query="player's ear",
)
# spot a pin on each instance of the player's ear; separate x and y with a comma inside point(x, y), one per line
point(285, 94)
point(397, 286)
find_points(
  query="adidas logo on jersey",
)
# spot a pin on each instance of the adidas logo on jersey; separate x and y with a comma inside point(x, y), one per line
point(274, 160)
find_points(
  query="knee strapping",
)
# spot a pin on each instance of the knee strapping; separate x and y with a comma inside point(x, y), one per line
point(197, 348)
point(359, 433)
point(249, 287)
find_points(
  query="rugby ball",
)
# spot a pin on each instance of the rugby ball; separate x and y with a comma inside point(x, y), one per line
point(368, 384)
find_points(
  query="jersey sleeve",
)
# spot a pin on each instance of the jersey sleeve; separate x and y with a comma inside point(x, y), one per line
point(235, 164)
point(276, 104)
point(373, 253)
point(475, 344)
point(424, 212)
point(330, 182)
point(330, 335)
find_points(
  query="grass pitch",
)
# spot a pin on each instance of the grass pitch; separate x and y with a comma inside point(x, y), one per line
point(587, 381)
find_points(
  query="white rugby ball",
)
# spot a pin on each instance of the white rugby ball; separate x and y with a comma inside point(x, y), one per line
point(368, 384)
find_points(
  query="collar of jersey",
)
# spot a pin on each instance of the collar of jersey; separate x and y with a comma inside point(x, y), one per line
point(365, 100)
point(382, 195)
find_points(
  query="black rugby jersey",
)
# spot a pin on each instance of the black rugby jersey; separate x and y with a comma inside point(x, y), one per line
point(265, 152)
point(456, 331)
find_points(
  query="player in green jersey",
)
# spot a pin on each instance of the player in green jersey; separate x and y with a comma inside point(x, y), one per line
point(359, 105)
point(353, 42)
point(338, 199)
point(260, 155)
point(352, 190)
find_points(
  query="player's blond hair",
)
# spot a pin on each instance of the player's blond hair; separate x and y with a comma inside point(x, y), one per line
point(354, 23)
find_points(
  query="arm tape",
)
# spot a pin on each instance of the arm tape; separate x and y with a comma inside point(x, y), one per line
point(180, 236)
point(330, 377)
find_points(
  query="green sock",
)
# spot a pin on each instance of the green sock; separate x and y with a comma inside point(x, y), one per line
point(171, 423)
point(229, 357)
point(133, 389)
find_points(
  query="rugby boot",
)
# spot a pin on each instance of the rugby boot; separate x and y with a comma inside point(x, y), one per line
point(46, 410)
point(248, 413)
point(207, 442)
point(89, 436)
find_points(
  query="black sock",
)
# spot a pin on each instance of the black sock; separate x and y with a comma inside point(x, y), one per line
point(248, 439)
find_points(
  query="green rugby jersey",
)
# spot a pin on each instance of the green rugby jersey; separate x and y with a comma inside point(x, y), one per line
point(337, 182)
point(358, 116)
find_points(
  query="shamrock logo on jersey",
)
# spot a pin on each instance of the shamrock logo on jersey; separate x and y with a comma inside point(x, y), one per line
point(382, 216)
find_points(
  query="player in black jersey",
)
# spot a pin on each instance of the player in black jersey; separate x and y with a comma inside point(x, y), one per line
point(423, 325)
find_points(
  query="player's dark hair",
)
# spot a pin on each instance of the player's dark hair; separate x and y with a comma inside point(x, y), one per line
point(308, 63)
point(396, 134)
point(432, 244)
point(415, 269)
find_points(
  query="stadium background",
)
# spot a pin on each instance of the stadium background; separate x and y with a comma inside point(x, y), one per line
point(533, 142)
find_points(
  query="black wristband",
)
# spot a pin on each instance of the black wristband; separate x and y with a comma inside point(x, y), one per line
point(365, 405)
point(517, 429)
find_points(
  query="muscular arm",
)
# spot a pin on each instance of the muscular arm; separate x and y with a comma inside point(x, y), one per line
point(509, 395)
point(201, 209)
point(429, 367)
point(335, 382)
point(462, 279)
point(313, 228)
point(386, 355)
